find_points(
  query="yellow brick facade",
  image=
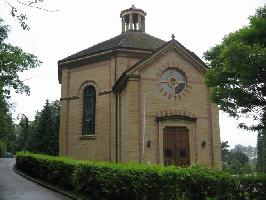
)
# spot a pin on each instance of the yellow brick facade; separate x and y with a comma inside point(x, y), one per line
point(127, 145)
point(124, 80)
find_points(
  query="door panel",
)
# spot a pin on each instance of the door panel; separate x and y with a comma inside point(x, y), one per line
point(169, 147)
point(176, 146)
point(182, 146)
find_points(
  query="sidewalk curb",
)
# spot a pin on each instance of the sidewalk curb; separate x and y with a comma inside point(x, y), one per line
point(42, 183)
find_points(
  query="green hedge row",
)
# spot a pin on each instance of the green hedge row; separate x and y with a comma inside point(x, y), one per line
point(55, 170)
point(99, 180)
point(2, 149)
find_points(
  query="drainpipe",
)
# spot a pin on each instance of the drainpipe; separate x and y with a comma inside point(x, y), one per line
point(144, 125)
point(116, 117)
point(116, 128)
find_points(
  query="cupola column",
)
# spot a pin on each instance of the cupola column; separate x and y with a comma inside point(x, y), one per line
point(127, 26)
point(139, 22)
point(123, 24)
point(130, 22)
point(142, 28)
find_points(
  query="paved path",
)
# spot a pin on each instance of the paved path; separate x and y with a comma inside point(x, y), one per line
point(16, 187)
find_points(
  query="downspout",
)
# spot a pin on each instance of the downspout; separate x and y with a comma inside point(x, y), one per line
point(116, 127)
point(116, 118)
point(144, 126)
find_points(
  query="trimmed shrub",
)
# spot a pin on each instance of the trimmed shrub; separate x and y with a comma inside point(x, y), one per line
point(253, 187)
point(2, 149)
point(100, 180)
point(51, 169)
point(120, 181)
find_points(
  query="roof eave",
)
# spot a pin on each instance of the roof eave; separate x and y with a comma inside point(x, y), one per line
point(122, 82)
point(96, 56)
point(101, 53)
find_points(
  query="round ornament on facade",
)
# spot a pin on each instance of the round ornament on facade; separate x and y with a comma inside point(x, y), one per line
point(172, 82)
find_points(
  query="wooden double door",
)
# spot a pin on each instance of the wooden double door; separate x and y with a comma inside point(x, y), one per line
point(176, 146)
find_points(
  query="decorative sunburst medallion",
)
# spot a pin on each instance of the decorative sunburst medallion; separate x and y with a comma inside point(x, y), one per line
point(172, 82)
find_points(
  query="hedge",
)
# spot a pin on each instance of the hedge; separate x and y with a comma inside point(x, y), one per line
point(99, 180)
point(2, 149)
point(51, 169)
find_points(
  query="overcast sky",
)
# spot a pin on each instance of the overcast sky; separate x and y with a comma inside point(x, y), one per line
point(79, 24)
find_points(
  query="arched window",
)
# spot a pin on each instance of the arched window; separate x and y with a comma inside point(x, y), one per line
point(89, 105)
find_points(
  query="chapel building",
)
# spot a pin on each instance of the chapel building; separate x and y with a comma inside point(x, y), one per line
point(137, 98)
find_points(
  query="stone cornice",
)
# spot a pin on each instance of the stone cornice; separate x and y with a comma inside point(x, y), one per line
point(108, 54)
point(69, 98)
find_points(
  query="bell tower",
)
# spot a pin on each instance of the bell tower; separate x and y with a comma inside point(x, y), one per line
point(133, 19)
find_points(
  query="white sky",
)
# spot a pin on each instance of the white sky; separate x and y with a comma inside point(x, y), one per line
point(79, 24)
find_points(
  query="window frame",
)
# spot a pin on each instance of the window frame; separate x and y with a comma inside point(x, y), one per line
point(86, 95)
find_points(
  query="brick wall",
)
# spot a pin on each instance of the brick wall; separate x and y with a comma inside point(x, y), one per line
point(193, 101)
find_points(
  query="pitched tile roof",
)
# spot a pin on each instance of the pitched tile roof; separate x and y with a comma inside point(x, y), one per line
point(128, 39)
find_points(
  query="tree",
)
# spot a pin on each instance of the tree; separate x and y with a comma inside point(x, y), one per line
point(236, 160)
point(22, 132)
point(7, 127)
point(237, 74)
point(250, 151)
point(225, 151)
point(238, 163)
point(241, 157)
point(261, 146)
point(43, 137)
point(12, 61)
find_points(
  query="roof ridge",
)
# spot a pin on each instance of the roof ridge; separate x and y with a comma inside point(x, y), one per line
point(154, 37)
point(105, 41)
point(121, 41)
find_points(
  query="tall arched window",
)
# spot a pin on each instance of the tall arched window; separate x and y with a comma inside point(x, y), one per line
point(89, 105)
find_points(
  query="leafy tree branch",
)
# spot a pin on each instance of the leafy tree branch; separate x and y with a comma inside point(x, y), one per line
point(21, 17)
